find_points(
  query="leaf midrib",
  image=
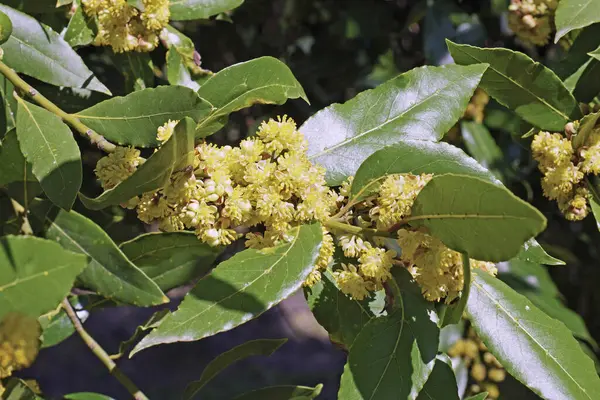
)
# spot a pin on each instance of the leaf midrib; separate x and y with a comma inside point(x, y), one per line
point(583, 7)
point(30, 277)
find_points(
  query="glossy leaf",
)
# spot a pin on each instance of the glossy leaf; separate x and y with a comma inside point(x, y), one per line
point(258, 347)
point(57, 326)
point(171, 37)
point(441, 384)
point(48, 145)
point(239, 289)
point(422, 104)
point(476, 217)
point(81, 30)
point(415, 157)
point(177, 71)
point(134, 119)
point(481, 145)
point(533, 252)
point(109, 271)
point(200, 9)
point(586, 127)
point(533, 91)
point(151, 175)
point(283, 392)
point(36, 50)
point(17, 389)
point(534, 348)
point(171, 258)
point(393, 356)
point(575, 14)
point(136, 69)
point(13, 166)
point(342, 317)
point(264, 80)
point(38, 267)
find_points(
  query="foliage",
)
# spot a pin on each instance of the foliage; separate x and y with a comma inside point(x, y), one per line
point(406, 213)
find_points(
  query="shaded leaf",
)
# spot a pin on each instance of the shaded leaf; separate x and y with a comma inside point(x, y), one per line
point(258, 347)
point(48, 145)
point(134, 119)
point(533, 252)
point(13, 167)
point(171, 258)
point(481, 145)
point(17, 389)
point(422, 104)
point(5, 27)
point(527, 276)
point(36, 50)
point(575, 14)
point(264, 80)
point(81, 30)
point(137, 69)
point(453, 313)
point(441, 384)
point(109, 271)
point(480, 396)
point(239, 289)
point(200, 9)
point(586, 126)
point(415, 157)
point(177, 71)
point(25, 269)
point(8, 106)
point(153, 174)
point(393, 356)
point(57, 326)
point(283, 392)
point(154, 321)
point(533, 91)
point(476, 217)
point(534, 348)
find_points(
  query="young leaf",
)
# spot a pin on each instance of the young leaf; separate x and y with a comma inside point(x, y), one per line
point(476, 217)
point(38, 267)
point(153, 322)
point(133, 120)
point(533, 252)
point(415, 157)
point(534, 348)
point(264, 80)
point(283, 392)
point(182, 10)
point(586, 126)
point(14, 167)
point(258, 347)
point(171, 258)
point(239, 289)
point(422, 104)
point(177, 71)
point(575, 14)
point(109, 272)
point(36, 50)
point(81, 30)
point(48, 145)
point(480, 144)
point(521, 84)
point(441, 384)
point(151, 175)
point(393, 356)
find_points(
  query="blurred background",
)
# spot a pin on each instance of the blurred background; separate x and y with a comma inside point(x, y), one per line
point(336, 49)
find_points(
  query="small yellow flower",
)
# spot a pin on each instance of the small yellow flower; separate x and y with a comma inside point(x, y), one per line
point(117, 166)
point(375, 263)
point(551, 150)
point(19, 343)
point(166, 131)
point(532, 20)
point(351, 283)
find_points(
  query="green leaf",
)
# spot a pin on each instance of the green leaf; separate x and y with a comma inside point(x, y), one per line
point(264, 80)
point(527, 276)
point(177, 71)
point(36, 50)
point(153, 322)
point(81, 30)
point(48, 145)
point(393, 356)
point(575, 14)
point(171, 37)
point(288, 392)
point(133, 119)
point(37, 267)
point(258, 347)
point(481, 145)
point(182, 10)
point(151, 175)
point(13, 167)
point(533, 91)
point(87, 396)
point(534, 348)
point(170, 259)
point(5, 27)
point(480, 396)
point(239, 289)
point(136, 68)
point(422, 104)
point(57, 326)
point(109, 271)
point(8, 106)
point(415, 157)
point(476, 217)
point(16, 389)
point(453, 313)
point(533, 252)
point(586, 126)
point(342, 317)
point(441, 384)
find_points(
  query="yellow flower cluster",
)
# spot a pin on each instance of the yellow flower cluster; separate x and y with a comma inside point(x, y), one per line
point(565, 168)
point(117, 166)
point(532, 20)
point(476, 106)
point(485, 370)
point(19, 343)
point(124, 27)
point(436, 268)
